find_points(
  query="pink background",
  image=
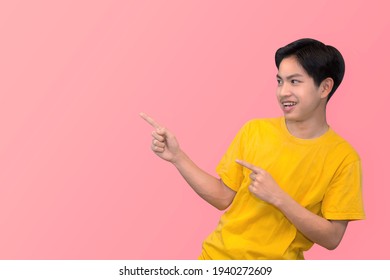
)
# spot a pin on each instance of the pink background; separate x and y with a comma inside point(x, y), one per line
point(77, 177)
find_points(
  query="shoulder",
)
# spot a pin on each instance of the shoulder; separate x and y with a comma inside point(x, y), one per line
point(257, 130)
point(263, 123)
point(341, 148)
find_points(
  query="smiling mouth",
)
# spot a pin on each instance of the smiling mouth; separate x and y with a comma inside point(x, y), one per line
point(289, 104)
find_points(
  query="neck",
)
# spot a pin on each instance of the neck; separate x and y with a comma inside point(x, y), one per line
point(307, 129)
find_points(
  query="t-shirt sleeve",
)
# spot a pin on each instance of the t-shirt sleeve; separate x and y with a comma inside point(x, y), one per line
point(344, 200)
point(228, 169)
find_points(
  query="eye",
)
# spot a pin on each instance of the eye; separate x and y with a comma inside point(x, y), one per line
point(295, 81)
point(279, 81)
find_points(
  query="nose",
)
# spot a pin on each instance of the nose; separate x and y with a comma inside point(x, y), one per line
point(284, 90)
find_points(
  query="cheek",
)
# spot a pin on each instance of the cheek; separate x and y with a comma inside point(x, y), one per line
point(277, 91)
point(311, 100)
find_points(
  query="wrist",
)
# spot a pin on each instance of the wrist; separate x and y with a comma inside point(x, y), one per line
point(178, 158)
point(280, 200)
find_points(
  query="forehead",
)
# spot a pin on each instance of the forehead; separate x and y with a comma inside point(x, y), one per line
point(290, 66)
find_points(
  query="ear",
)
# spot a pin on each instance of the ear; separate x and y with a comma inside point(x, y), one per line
point(326, 87)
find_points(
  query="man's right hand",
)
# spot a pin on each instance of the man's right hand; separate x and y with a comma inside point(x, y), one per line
point(211, 189)
point(164, 143)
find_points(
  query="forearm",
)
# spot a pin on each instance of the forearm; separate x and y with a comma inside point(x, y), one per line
point(325, 233)
point(210, 188)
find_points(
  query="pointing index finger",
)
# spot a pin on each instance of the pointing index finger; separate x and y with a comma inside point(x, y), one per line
point(248, 165)
point(149, 120)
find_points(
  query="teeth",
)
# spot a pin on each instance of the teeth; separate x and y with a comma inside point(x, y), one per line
point(289, 103)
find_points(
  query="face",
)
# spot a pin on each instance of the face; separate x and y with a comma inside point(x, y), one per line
point(298, 95)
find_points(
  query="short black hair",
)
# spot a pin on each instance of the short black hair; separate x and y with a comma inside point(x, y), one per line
point(319, 60)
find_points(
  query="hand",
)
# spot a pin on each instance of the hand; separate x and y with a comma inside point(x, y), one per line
point(164, 143)
point(262, 184)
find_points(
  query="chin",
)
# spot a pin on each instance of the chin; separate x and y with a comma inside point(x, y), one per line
point(291, 118)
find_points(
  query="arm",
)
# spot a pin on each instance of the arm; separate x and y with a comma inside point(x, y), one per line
point(326, 233)
point(211, 189)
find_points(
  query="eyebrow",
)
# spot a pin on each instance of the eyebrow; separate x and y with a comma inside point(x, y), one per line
point(290, 76)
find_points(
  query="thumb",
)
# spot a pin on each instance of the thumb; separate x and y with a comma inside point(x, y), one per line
point(164, 132)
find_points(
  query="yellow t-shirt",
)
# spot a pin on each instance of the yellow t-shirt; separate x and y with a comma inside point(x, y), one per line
point(322, 174)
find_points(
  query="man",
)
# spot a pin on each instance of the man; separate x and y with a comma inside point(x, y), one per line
point(289, 182)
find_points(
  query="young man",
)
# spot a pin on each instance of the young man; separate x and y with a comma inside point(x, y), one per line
point(290, 181)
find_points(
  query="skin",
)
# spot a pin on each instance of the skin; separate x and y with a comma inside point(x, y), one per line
point(306, 119)
point(211, 189)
